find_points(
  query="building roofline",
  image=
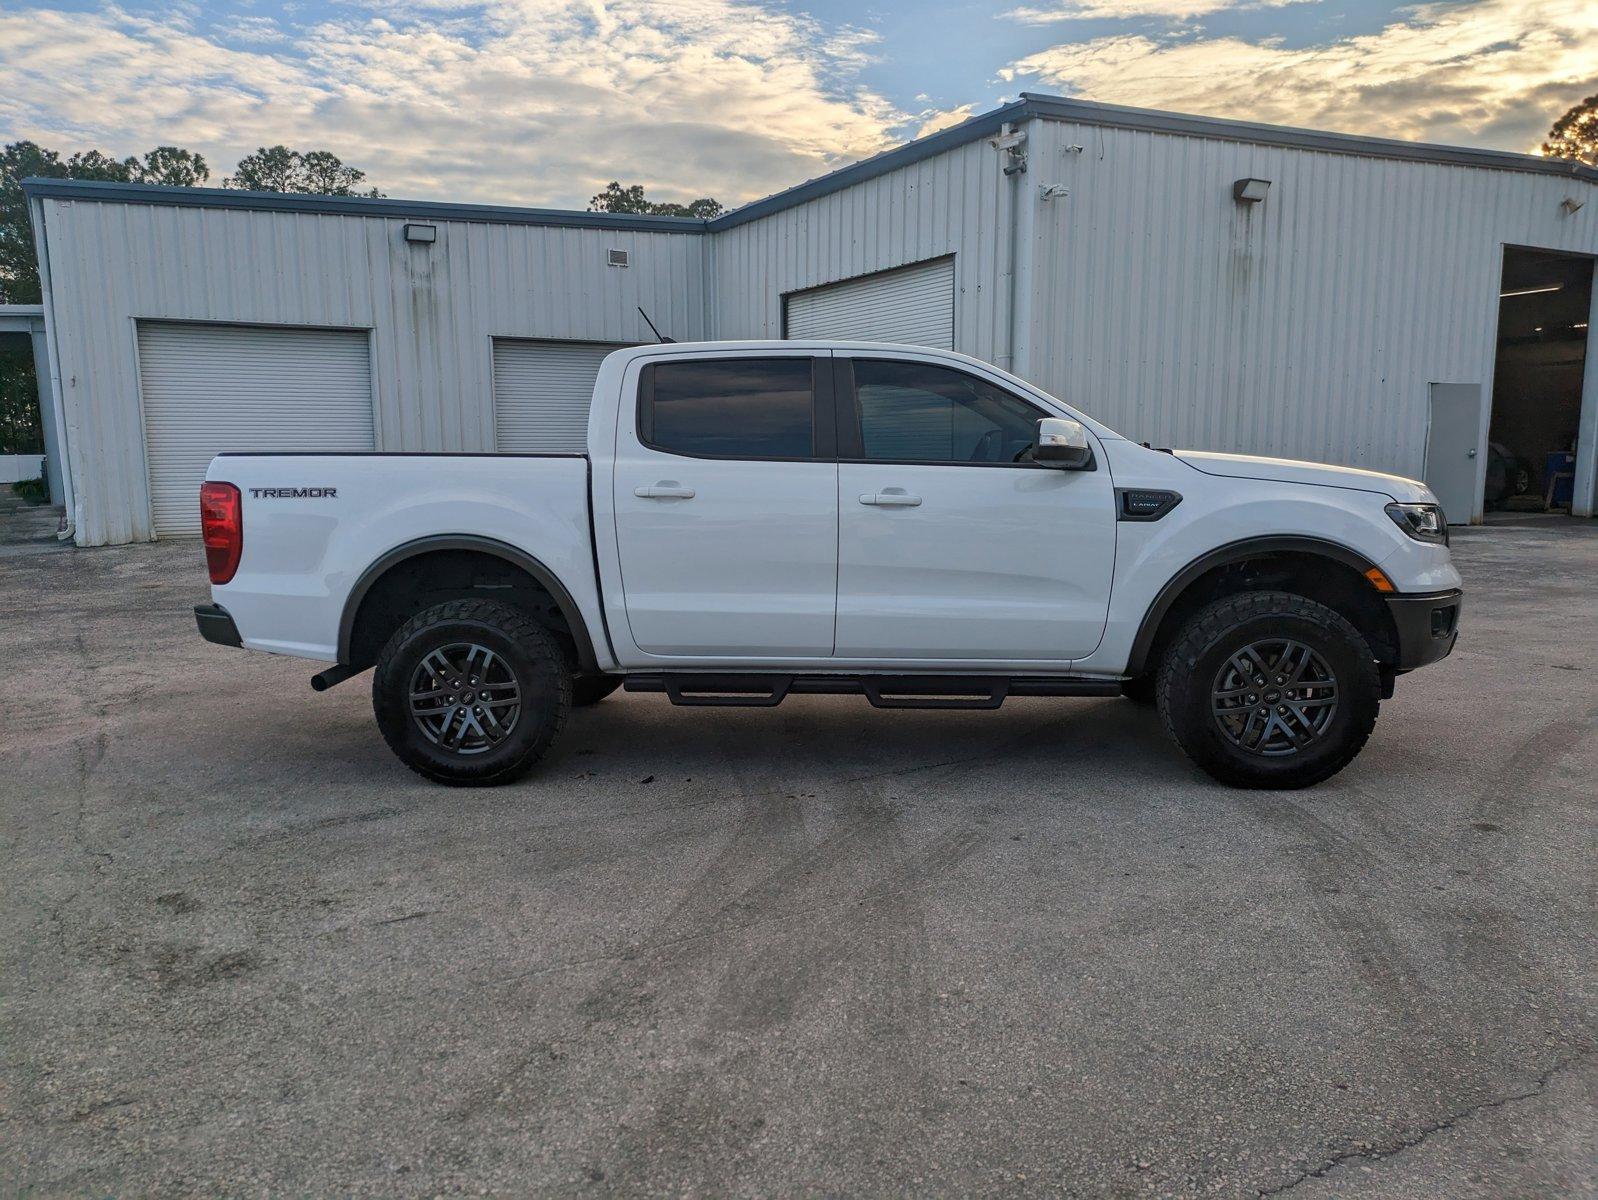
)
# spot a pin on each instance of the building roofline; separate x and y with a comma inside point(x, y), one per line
point(1030, 105)
point(983, 125)
point(1091, 112)
point(1088, 112)
point(359, 206)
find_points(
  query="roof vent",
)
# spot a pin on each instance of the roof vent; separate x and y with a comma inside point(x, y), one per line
point(616, 258)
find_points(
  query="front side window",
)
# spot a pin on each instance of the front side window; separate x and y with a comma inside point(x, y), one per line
point(729, 408)
point(917, 412)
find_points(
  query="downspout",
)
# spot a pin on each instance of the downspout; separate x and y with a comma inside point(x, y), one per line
point(1011, 143)
point(1022, 283)
point(69, 496)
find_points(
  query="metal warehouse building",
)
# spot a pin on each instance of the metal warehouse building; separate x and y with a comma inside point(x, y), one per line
point(1190, 281)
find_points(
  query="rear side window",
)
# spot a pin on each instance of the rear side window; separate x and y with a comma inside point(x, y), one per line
point(730, 408)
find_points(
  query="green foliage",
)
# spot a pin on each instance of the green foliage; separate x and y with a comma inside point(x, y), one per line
point(19, 398)
point(19, 268)
point(618, 199)
point(34, 491)
point(279, 169)
point(1575, 135)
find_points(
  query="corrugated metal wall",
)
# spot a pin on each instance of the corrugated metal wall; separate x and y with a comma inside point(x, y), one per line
point(1309, 325)
point(955, 203)
point(433, 312)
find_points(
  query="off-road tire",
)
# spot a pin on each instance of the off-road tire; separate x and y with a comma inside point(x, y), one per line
point(533, 658)
point(1214, 634)
point(591, 689)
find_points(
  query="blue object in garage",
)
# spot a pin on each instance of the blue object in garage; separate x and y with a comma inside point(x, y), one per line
point(1561, 476)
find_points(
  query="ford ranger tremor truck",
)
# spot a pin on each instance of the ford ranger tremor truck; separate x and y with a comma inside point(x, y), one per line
point(754, 520)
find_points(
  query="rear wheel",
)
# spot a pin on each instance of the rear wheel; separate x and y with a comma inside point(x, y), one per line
point(471, 692)
point(1269, 690)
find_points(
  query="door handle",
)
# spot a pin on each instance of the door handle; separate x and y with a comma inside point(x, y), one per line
point(890, 498)
point(666, 489)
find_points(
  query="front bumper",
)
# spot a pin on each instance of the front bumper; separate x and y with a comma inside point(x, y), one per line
point(216, 625)
point(1428, 626)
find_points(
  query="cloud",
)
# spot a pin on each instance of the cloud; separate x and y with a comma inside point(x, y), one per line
point(513, 101)
point(1175, 10)
point(1496, 73)
point(253, 29)
point(933, 120)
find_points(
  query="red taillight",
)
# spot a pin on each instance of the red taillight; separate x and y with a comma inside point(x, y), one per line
point(222, 527)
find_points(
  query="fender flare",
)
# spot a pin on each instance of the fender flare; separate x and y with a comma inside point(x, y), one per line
point(586, 659)
point(1220, 557)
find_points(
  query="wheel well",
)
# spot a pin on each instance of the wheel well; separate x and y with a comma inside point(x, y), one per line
point(435, 576)
point(1319, 577)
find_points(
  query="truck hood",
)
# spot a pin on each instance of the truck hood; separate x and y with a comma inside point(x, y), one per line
point(1290, 470)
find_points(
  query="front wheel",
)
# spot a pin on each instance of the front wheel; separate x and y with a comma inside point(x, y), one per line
point(471, 692)
point(1269, 690)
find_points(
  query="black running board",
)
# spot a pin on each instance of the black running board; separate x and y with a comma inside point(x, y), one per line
point(760, 690)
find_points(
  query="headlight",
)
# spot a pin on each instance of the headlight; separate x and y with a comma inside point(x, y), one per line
point(1423, 522)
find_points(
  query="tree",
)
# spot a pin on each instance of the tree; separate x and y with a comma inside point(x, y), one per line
point(170, 166)
point(618, 199)
point(279, 169)
point(1575, 135)
point(19, 398)
point(19, 268)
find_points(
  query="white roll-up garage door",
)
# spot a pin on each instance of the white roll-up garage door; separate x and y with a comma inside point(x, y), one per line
point(210, 388)
point(541, 394)
point(914, 305)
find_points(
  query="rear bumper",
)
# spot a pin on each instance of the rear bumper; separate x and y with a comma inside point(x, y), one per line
point(216, 625)
point(1428, 626)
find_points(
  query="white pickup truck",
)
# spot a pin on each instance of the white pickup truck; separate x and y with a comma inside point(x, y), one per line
point(755, 520)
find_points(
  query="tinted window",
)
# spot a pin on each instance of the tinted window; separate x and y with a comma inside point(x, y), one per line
point(922, 413)
point(739, 408)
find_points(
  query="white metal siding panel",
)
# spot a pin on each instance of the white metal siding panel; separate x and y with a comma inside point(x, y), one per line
point(956, 203)
point(211, 388)
point(541, 395)
point(1310, 325)
point(431, 309)
point(914, 306)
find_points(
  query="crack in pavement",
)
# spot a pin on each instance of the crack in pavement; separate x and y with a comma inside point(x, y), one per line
point(1378, 1153)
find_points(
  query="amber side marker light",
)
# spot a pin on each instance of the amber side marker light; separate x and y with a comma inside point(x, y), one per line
point(1379, 581)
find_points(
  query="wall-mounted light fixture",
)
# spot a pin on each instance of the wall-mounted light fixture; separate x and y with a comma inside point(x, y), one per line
point(424, 235)
point(1250, 191)
point(1571, 205)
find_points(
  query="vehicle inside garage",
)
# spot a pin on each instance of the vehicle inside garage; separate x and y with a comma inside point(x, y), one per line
point(1543, 316)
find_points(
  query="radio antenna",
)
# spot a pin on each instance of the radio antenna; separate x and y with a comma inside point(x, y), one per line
point(658, 336)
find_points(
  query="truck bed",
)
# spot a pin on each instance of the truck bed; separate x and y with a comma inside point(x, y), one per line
point(313, 523)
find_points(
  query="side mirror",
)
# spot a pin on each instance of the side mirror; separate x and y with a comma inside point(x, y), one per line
point(1063, 443)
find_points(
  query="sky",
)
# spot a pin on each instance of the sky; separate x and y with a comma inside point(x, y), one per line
point(541, 102)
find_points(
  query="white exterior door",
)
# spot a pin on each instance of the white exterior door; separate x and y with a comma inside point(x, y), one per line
point(948, 546)
point(913, 306)
point(210, 388)
point(541, 394)
point(726, 507)
point(1452, 467)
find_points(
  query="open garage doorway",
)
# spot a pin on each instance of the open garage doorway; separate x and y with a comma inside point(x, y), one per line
point(1544, 310)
